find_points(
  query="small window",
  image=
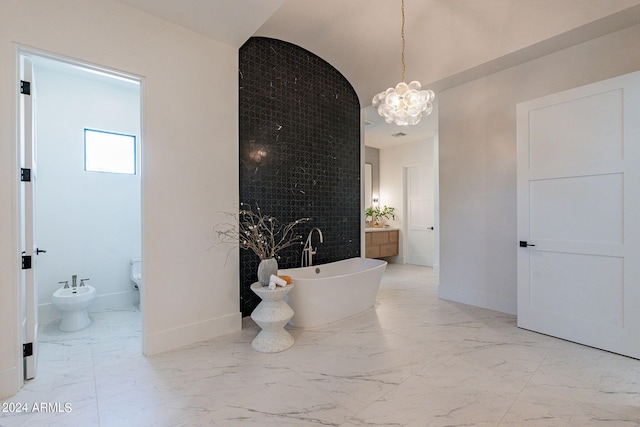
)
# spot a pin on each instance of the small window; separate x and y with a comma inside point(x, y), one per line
point(109, 152)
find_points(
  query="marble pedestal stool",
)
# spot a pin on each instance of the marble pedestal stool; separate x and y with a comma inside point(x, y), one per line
point(271, 315)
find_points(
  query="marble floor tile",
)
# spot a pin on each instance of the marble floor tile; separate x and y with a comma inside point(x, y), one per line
point(412, 360)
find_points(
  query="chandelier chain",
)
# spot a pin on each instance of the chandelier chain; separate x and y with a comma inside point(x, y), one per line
point(406, 103)
point(403, 43)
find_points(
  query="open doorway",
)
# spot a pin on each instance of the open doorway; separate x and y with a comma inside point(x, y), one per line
point(406, 160)
point(85, 215)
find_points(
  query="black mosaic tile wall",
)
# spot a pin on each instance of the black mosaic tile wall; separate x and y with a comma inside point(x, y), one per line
point(299, 151)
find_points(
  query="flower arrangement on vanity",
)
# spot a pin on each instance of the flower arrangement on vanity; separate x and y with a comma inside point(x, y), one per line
point(375, 213)
point(384, 241)
point(264, 235)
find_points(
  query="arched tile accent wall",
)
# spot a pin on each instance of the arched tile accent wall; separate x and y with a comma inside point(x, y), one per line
point(299, 151)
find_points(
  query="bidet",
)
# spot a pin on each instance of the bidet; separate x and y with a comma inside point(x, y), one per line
point(73, 303)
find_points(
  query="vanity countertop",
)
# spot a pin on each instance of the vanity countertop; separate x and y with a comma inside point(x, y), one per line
point(368, 229)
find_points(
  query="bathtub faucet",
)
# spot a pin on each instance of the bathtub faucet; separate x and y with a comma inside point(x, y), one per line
point(308, 252)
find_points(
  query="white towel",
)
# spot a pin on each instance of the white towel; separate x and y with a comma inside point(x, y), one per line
point(278, 281)
point(272, 285)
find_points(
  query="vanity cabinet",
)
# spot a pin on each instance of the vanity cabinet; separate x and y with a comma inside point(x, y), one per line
point(381, 243)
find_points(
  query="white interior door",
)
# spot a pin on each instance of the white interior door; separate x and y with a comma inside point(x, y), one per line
point(29, 248)
point(420, 216)
point(579, 215)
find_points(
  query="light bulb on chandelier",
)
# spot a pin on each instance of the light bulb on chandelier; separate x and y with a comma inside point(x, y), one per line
point(406, 103)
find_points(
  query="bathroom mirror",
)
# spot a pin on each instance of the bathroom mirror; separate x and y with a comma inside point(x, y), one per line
point(368, 186)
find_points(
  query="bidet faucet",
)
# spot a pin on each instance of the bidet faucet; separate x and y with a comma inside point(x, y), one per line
point(74, 281)
point(308, 251)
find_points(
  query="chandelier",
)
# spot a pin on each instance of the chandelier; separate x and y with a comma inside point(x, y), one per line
point(406, 103)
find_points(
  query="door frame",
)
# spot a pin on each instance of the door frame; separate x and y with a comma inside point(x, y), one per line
point(23, 51)
point(27, 158)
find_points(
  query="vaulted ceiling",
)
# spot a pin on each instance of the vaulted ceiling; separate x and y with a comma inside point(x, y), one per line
point(447, 41)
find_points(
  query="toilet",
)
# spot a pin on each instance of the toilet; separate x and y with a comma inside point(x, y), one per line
point(135, 274)
point(73, 303)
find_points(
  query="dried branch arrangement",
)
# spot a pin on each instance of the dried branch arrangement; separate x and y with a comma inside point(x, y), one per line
point(261, 233)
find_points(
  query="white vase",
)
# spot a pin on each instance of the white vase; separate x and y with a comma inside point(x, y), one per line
point(266, 268)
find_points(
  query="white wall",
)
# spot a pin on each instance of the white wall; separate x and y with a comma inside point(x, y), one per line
point(88, 222)
point(393, 161)
point(477, 142)
point(189, 137)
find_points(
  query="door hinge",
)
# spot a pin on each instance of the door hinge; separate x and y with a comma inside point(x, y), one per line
point(26, 262)
point(25, 87)
point(27, 349)
point(25, 175)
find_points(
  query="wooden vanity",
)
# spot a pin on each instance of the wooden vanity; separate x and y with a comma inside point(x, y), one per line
point(381, 242)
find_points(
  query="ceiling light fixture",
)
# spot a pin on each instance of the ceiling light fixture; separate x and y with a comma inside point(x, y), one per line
point(407, 103)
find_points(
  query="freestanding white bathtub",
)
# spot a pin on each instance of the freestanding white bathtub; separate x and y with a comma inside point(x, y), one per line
point(330, 292)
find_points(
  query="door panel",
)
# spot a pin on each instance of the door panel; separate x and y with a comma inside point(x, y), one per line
point(594, 204)
point(589, 287)
point(578, 200)
point(574, 131)
point(420, 212)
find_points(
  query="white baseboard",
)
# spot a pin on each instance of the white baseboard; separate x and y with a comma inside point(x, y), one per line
point(115, 301)
point(10, 382)
point(477, 299)
point(159, 342)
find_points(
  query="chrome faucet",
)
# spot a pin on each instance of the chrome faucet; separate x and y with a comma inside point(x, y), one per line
point(308, 252)
point(74, 281)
